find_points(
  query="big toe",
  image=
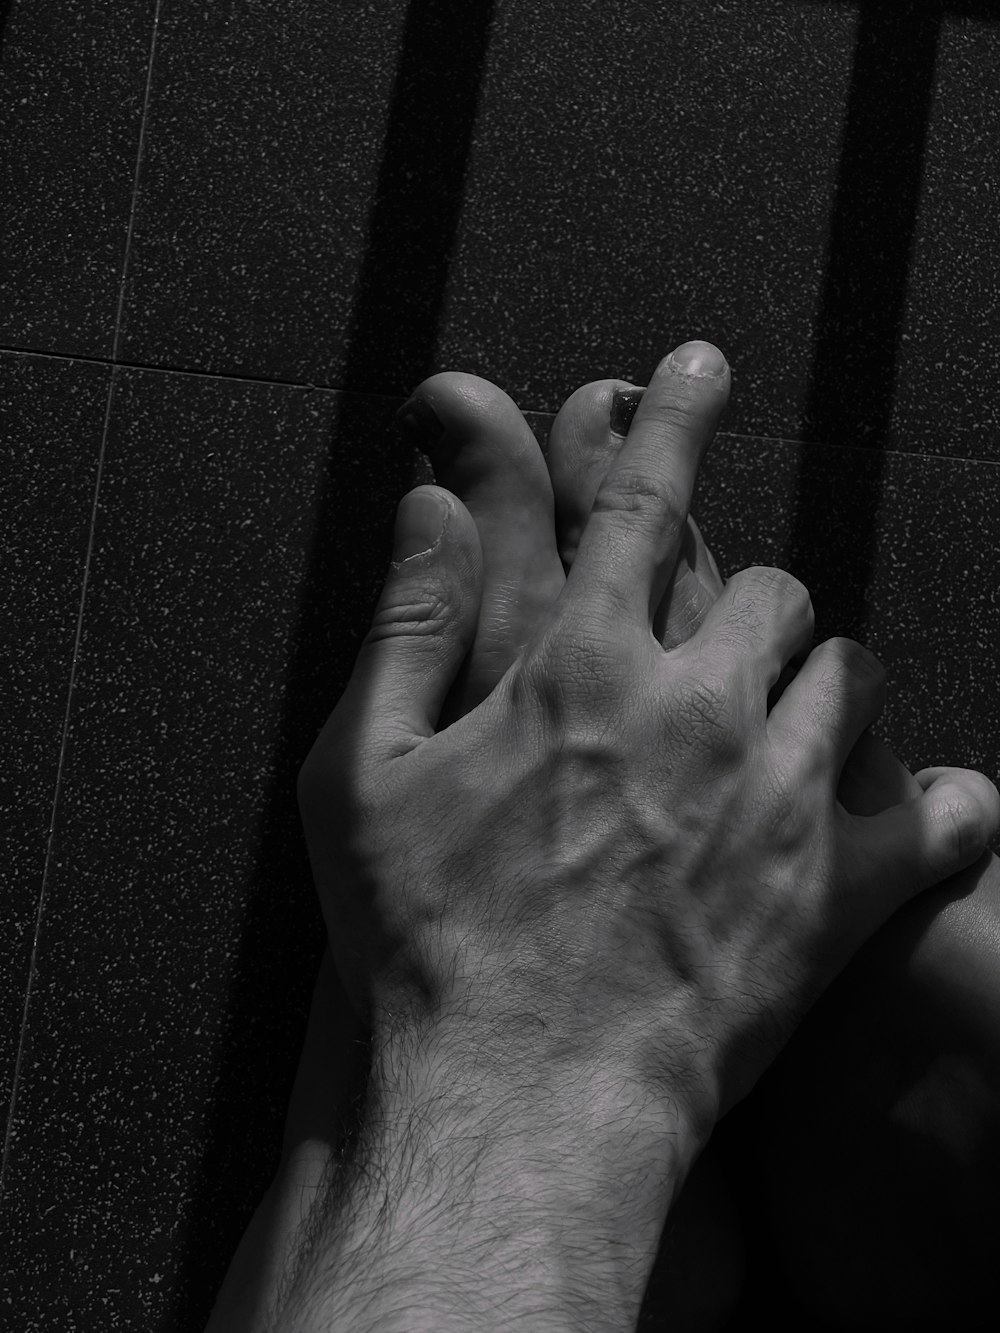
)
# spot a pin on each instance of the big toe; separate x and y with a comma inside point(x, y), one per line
point(482, 450)
point(584, 442)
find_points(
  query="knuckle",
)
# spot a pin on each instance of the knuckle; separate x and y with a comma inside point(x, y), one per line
point(640, 495)
point(855, 660)
point(754, 593)
point(673, 414)
point(959, 833)
point(417, 611)
point(569, 668)
point(779, 585)
point(704, 709)
point(846, 673)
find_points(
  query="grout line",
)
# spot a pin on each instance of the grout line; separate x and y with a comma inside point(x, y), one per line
point(135, 184)
point(43, 892)
point(532, 411)
point(197, 374)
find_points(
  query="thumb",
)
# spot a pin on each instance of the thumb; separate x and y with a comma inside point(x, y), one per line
point(423, 626)
point(931, 837)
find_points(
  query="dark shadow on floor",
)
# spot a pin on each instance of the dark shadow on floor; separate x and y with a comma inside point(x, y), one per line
point(411, 234)
point(4, 16)
point(858, 332)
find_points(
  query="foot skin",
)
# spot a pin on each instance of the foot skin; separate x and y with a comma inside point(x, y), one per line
point(528, 527)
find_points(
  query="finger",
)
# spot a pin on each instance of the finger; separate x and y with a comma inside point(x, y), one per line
point(482, 450)
point(928, 776)
point(697, 583)
point(694, 589)
point(423, 626)
point(704, 563)
point(695, 554)
point(632, 539)
point(762, 620)
point(873, 779)
point(837, 693)
point(584, 441)
point(921, 842)
point(710, 558)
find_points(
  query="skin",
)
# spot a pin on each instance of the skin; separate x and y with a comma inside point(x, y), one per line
point(491, 461)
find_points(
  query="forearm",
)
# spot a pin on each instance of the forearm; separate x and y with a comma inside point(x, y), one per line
point(477, 1203)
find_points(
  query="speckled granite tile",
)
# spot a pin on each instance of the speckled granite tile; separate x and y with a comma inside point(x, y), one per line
point(546, 195)
point(72, 89)
point(241, 542)
point(242, 538)
point(799, 182)
point(249, 246)
point(52, 414)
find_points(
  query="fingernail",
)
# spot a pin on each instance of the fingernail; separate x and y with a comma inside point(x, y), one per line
point(697, 358)
point(420, 521)
point(419, 423)
point(623, 405)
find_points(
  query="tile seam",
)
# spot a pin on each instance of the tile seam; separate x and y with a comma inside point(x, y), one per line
point(81, 608)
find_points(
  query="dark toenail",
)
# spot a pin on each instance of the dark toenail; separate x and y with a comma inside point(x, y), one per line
point(623, 405)
point(419, 423)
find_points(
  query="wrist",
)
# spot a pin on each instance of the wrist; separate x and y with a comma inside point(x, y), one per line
point(484, 1196)
point(552, 1110)
point(564, 1175)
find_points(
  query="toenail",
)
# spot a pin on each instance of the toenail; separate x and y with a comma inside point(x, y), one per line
point(419, 423)
point(697, 358)
point(623, 406)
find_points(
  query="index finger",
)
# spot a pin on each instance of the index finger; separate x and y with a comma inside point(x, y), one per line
point(630, 545)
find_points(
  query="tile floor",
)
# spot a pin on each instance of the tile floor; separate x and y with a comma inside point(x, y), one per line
point(237, 233)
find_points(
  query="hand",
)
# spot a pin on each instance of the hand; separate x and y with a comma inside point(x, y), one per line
point(888, 1092)
point(621, 856)
point(873, 778)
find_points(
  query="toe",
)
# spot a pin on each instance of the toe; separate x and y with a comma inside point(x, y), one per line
point(583, 443)
point(582, 446)
point(483, 451)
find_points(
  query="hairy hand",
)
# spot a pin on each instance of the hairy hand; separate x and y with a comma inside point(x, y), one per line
point(624, 855)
